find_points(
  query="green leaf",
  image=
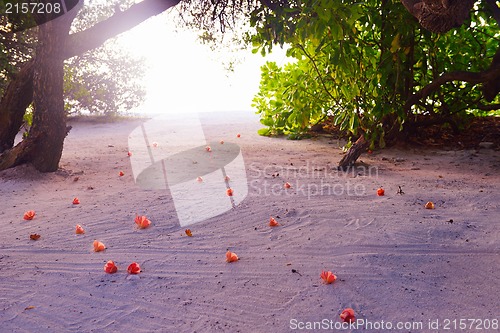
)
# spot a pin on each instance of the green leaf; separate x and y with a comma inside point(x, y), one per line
point(264, 131)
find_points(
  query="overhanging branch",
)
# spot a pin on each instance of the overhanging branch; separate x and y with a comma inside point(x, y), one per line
point(118, 23)
point(489, 107)
point(490, 75)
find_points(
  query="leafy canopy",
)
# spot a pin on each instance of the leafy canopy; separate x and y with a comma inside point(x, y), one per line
point(359, 62)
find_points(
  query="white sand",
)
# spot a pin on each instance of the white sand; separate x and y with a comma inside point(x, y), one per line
point(395, 261)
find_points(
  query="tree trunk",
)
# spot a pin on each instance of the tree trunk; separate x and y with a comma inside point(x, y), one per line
point(44, 145)
point(49, 117)
point(353, 153)
point(17, 97)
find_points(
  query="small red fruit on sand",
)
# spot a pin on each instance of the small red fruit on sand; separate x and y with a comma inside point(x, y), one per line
point(328, 277)
point(429, 205)
point(129, 154)
point(76, 201)
point(231, 256)
point(273, 222)
point(229, 192)
point(79, 230)
point(380, 192)
point(287, 185)
point(207, 148)
point(221, 142)
point(189, 233)
point(348, 315)
point(238, 135)
point(29, 215)
point(110, 267)
point(199, 179)
point(121, 174)
point(134, 268)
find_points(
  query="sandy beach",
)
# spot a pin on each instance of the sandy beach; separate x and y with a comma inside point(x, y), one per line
point(396, 262)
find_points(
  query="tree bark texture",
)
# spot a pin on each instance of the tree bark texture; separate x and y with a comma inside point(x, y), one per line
point(17, 97)
point(49, 117)
point(439, 16)
point(353, 153)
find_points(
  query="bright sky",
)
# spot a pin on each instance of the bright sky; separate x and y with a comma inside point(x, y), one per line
point(186, 76)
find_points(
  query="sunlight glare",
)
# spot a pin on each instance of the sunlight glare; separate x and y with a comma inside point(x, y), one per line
point(185, 76)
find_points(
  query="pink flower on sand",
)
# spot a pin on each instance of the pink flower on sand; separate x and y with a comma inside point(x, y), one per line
point(328, 277)
point(134, 268)
point(348, 315)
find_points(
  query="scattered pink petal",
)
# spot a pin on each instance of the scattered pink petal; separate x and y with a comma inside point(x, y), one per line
point(348, 315)
point(273, 222)
point(199, 179)
point(221, 142)
point(34, 236)
point(129, 154)
point(155, 144)
point(207, 148)
point(328, 277)
point(134, 268)
point(79, 230)
point(110, 267)
point(231, 256)
point(99, 246)
point(142, 222)
point(29, 215)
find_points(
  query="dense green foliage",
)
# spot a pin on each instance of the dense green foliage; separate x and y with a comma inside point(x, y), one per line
point(359, 62)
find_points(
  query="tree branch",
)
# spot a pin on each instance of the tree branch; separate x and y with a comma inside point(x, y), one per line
point(489, 107)
point(19, 92)
point(118, 23)
point(490, 75)
point(495, 10)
